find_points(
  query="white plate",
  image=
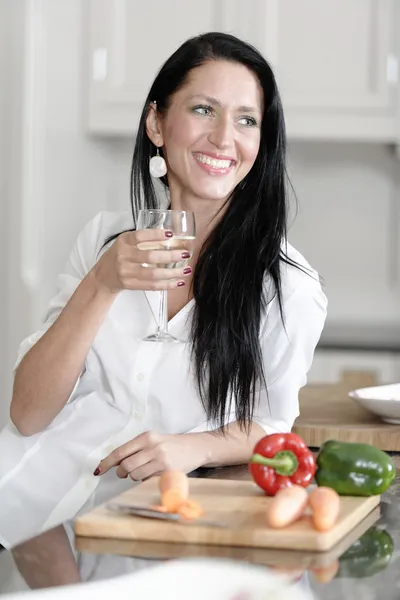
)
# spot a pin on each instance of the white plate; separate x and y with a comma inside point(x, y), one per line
point(183, 579)
point(217, 579)
point(381, 400)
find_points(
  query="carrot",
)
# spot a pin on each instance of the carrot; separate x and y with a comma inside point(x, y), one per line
point(174, 489)
point(286, 506)
point(325, 506)
point(190, 510)
point(291, 572)
point(172, 500)
point(325, 574)
point(174, 480)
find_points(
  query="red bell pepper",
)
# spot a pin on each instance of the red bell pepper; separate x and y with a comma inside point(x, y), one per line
point(281, 460)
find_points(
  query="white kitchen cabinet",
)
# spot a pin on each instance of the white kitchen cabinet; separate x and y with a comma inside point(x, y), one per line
point(128, 43)
point(336, 61)
point(329, 366)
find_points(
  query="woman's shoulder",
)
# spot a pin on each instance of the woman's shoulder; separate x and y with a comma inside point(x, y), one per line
point(298, 276)
point(296, 271)
point(303, 299)
point(107, 223)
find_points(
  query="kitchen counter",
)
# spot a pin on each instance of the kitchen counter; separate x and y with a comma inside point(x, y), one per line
point(345, 572)
point(369, 337)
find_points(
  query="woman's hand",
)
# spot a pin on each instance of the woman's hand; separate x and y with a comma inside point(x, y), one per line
point(152, 453)
point(121, 267)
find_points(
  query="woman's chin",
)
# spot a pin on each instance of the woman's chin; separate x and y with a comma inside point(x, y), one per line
point(214, 191)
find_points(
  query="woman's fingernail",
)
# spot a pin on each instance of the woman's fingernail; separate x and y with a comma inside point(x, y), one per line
point(181, 283)
point(187, 271)
point(96, 472)
point(185, 255)
point(168, 234)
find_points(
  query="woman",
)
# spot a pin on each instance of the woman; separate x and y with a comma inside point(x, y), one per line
point(93, 408)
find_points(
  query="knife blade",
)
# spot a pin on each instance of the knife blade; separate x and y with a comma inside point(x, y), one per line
point(151, 513)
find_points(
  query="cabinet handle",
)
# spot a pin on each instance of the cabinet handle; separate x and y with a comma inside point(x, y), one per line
point(392, 69)
point(99, 64)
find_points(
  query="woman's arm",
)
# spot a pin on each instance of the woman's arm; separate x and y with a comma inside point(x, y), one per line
point(47, 560)
point(152, 453)
point(47, 374)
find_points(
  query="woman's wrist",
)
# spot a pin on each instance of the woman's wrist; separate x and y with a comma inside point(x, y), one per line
point(198, 447)
point(233, 447)
point(100, 291)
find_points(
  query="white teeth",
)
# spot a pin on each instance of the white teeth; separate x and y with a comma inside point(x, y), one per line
point(213, 162)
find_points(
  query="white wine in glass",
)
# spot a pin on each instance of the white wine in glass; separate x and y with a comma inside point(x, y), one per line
point(182, 225)
point(182, 242)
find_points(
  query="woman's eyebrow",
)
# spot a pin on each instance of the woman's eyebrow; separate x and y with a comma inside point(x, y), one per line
point(215, 101)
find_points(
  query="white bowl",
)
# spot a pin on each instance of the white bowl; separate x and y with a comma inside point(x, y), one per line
point(381, 400)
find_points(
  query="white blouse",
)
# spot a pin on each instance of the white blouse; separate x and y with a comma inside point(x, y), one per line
point(129, 386)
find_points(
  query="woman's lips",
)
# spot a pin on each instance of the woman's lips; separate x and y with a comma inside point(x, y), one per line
point(214, 165)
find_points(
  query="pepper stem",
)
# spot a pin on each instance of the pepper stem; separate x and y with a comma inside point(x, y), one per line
point(283, 463)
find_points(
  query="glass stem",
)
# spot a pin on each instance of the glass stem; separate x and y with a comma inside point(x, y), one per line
point(163, 313)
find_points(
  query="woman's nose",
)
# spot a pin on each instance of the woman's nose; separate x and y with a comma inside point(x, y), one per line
point(222, 134)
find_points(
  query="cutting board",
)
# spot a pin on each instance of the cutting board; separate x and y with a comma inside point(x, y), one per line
point(266, 557)
point(327, 412)
point(240, 504)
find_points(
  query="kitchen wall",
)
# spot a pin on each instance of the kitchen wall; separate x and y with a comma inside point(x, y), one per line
point(53, 179)
point(349, 195)
point(348, 224)
point(3, 188)
point(5, 137)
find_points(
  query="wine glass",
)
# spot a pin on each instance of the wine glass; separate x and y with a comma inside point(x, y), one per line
point(182, 225)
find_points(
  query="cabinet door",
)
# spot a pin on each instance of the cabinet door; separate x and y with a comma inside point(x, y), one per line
point(129, 42)
point(336, 65)
point(334, 366)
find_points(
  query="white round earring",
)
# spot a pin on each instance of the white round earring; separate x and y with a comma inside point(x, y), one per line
point(158, 166)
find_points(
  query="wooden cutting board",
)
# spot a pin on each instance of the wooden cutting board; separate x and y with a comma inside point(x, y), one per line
point(266, 557)
point(327, 412)
point(240, 504)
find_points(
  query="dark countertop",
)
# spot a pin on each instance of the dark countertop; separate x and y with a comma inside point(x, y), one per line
point(358, 569)
point(368, 337)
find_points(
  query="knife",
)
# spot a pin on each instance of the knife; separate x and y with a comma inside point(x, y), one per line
point(150, 513)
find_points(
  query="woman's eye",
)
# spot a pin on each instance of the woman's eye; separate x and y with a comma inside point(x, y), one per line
point(248, 121)
point(203, 110)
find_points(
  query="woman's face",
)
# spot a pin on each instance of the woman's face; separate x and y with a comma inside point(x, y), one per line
point(211, 131)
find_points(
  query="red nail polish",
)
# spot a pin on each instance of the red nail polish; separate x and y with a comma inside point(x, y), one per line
point(96, 472)
point(185, 255)
point(168, 234)
point(181, 283)
point(187, 271)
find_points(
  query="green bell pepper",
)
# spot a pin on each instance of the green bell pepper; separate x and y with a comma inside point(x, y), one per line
point(354, 469)
point(369, 555)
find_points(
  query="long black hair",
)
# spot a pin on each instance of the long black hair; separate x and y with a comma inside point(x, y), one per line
point(245, 247)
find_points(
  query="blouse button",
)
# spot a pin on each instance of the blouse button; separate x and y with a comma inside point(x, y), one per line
point(140, 377)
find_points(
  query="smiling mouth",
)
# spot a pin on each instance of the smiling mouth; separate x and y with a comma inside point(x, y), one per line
point(215, 163)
